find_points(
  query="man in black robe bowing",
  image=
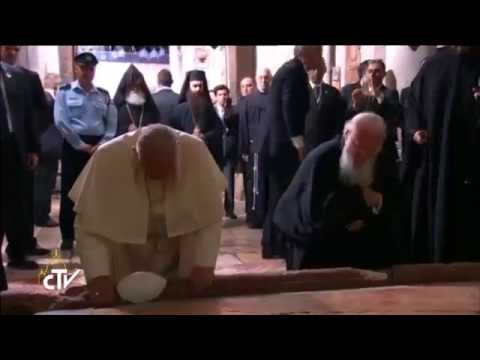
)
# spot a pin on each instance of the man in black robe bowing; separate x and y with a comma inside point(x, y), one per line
point(196, 115)
point(337, 210)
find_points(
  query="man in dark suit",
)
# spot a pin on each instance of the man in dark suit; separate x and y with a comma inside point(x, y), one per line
point(165, 98)
point(20, 146)
point(9, 55)
point(229, 118)
point(376, 97)
point(285, 128)
point(326, 116)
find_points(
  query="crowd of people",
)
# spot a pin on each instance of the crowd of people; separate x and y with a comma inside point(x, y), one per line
point(356, 177)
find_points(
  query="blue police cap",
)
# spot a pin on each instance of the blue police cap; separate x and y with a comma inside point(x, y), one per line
point(86, 58)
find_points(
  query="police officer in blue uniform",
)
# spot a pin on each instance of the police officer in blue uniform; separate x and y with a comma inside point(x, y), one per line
point(86, 118)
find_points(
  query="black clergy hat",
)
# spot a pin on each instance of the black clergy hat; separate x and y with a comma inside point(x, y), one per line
point(85, 58)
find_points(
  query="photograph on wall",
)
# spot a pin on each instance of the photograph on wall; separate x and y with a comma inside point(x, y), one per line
point(156, 54)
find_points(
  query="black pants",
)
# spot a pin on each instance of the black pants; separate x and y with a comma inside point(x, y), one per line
point(229, 172)
point(280, 174)
point(247, 186)
point(73, 162)
point(44, 183)
point(12, 217)
point(28, 193)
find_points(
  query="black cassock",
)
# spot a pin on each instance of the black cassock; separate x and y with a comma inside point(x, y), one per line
point(138, 115)
point(132, 114)
point(209, 124)
point(316, 208)
point(326, 116)
point(253, 114)
point(441, 178)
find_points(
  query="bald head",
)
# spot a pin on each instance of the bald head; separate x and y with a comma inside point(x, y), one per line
point(364, 136)
point(264, 79)
point(246, 86)
point(157, 151)
point(310, 55)
point(9, 54)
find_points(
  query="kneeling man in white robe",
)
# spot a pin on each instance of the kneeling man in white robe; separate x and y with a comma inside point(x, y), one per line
point(148, 201)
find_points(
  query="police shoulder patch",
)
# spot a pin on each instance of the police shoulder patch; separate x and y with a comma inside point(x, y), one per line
point(103, 91)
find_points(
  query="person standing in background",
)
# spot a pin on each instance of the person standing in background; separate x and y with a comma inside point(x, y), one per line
point(252, 116)
point(229, 118)
point(165, 98)
point(46, 172)
point(19, 146)
point(86, 118)
point(9, 55)
point(285, 129)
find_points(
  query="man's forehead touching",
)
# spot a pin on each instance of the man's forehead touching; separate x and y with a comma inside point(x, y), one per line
point(156, 139)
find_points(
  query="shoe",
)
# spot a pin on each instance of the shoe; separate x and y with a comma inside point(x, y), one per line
point(66, 245)
point(23, 265)
point(232, 216)
point(39, 252)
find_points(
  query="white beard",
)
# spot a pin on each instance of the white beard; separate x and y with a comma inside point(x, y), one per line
point(349, 175)
point(134, 98)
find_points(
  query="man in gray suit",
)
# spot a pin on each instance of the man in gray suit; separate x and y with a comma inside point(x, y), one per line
point(165, 98)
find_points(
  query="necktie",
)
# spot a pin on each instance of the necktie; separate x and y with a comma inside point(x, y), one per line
point(318, 93)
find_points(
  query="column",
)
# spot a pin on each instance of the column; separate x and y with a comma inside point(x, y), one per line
point(241, 62)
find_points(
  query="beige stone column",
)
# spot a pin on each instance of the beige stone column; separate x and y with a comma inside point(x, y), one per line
point(241, 62)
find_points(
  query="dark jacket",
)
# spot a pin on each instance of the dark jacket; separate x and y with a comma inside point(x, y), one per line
point(289, 104)
point(326, 117)
point(51, 139)
point(230, 141)
point(19, 98)
point(166, 100)
point(209, 124)
point(347, 91)
point(39, 102)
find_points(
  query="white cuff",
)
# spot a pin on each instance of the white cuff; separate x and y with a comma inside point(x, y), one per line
point(298, 141)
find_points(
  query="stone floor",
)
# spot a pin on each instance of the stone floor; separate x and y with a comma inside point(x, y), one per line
point(411, 289)
point(432, 299)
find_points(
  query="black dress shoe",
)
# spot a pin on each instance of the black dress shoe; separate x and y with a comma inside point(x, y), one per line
point(39, 252)
point(23, 265)
point(66, 246)
point(232, 216)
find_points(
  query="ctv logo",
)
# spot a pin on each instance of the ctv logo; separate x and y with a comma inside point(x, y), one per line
point(62, 281)
point(57, 279)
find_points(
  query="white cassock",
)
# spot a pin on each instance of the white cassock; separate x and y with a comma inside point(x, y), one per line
point(126, 223)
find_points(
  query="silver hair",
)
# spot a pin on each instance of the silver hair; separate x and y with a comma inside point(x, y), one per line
point(374, 120)
point(261, 71)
